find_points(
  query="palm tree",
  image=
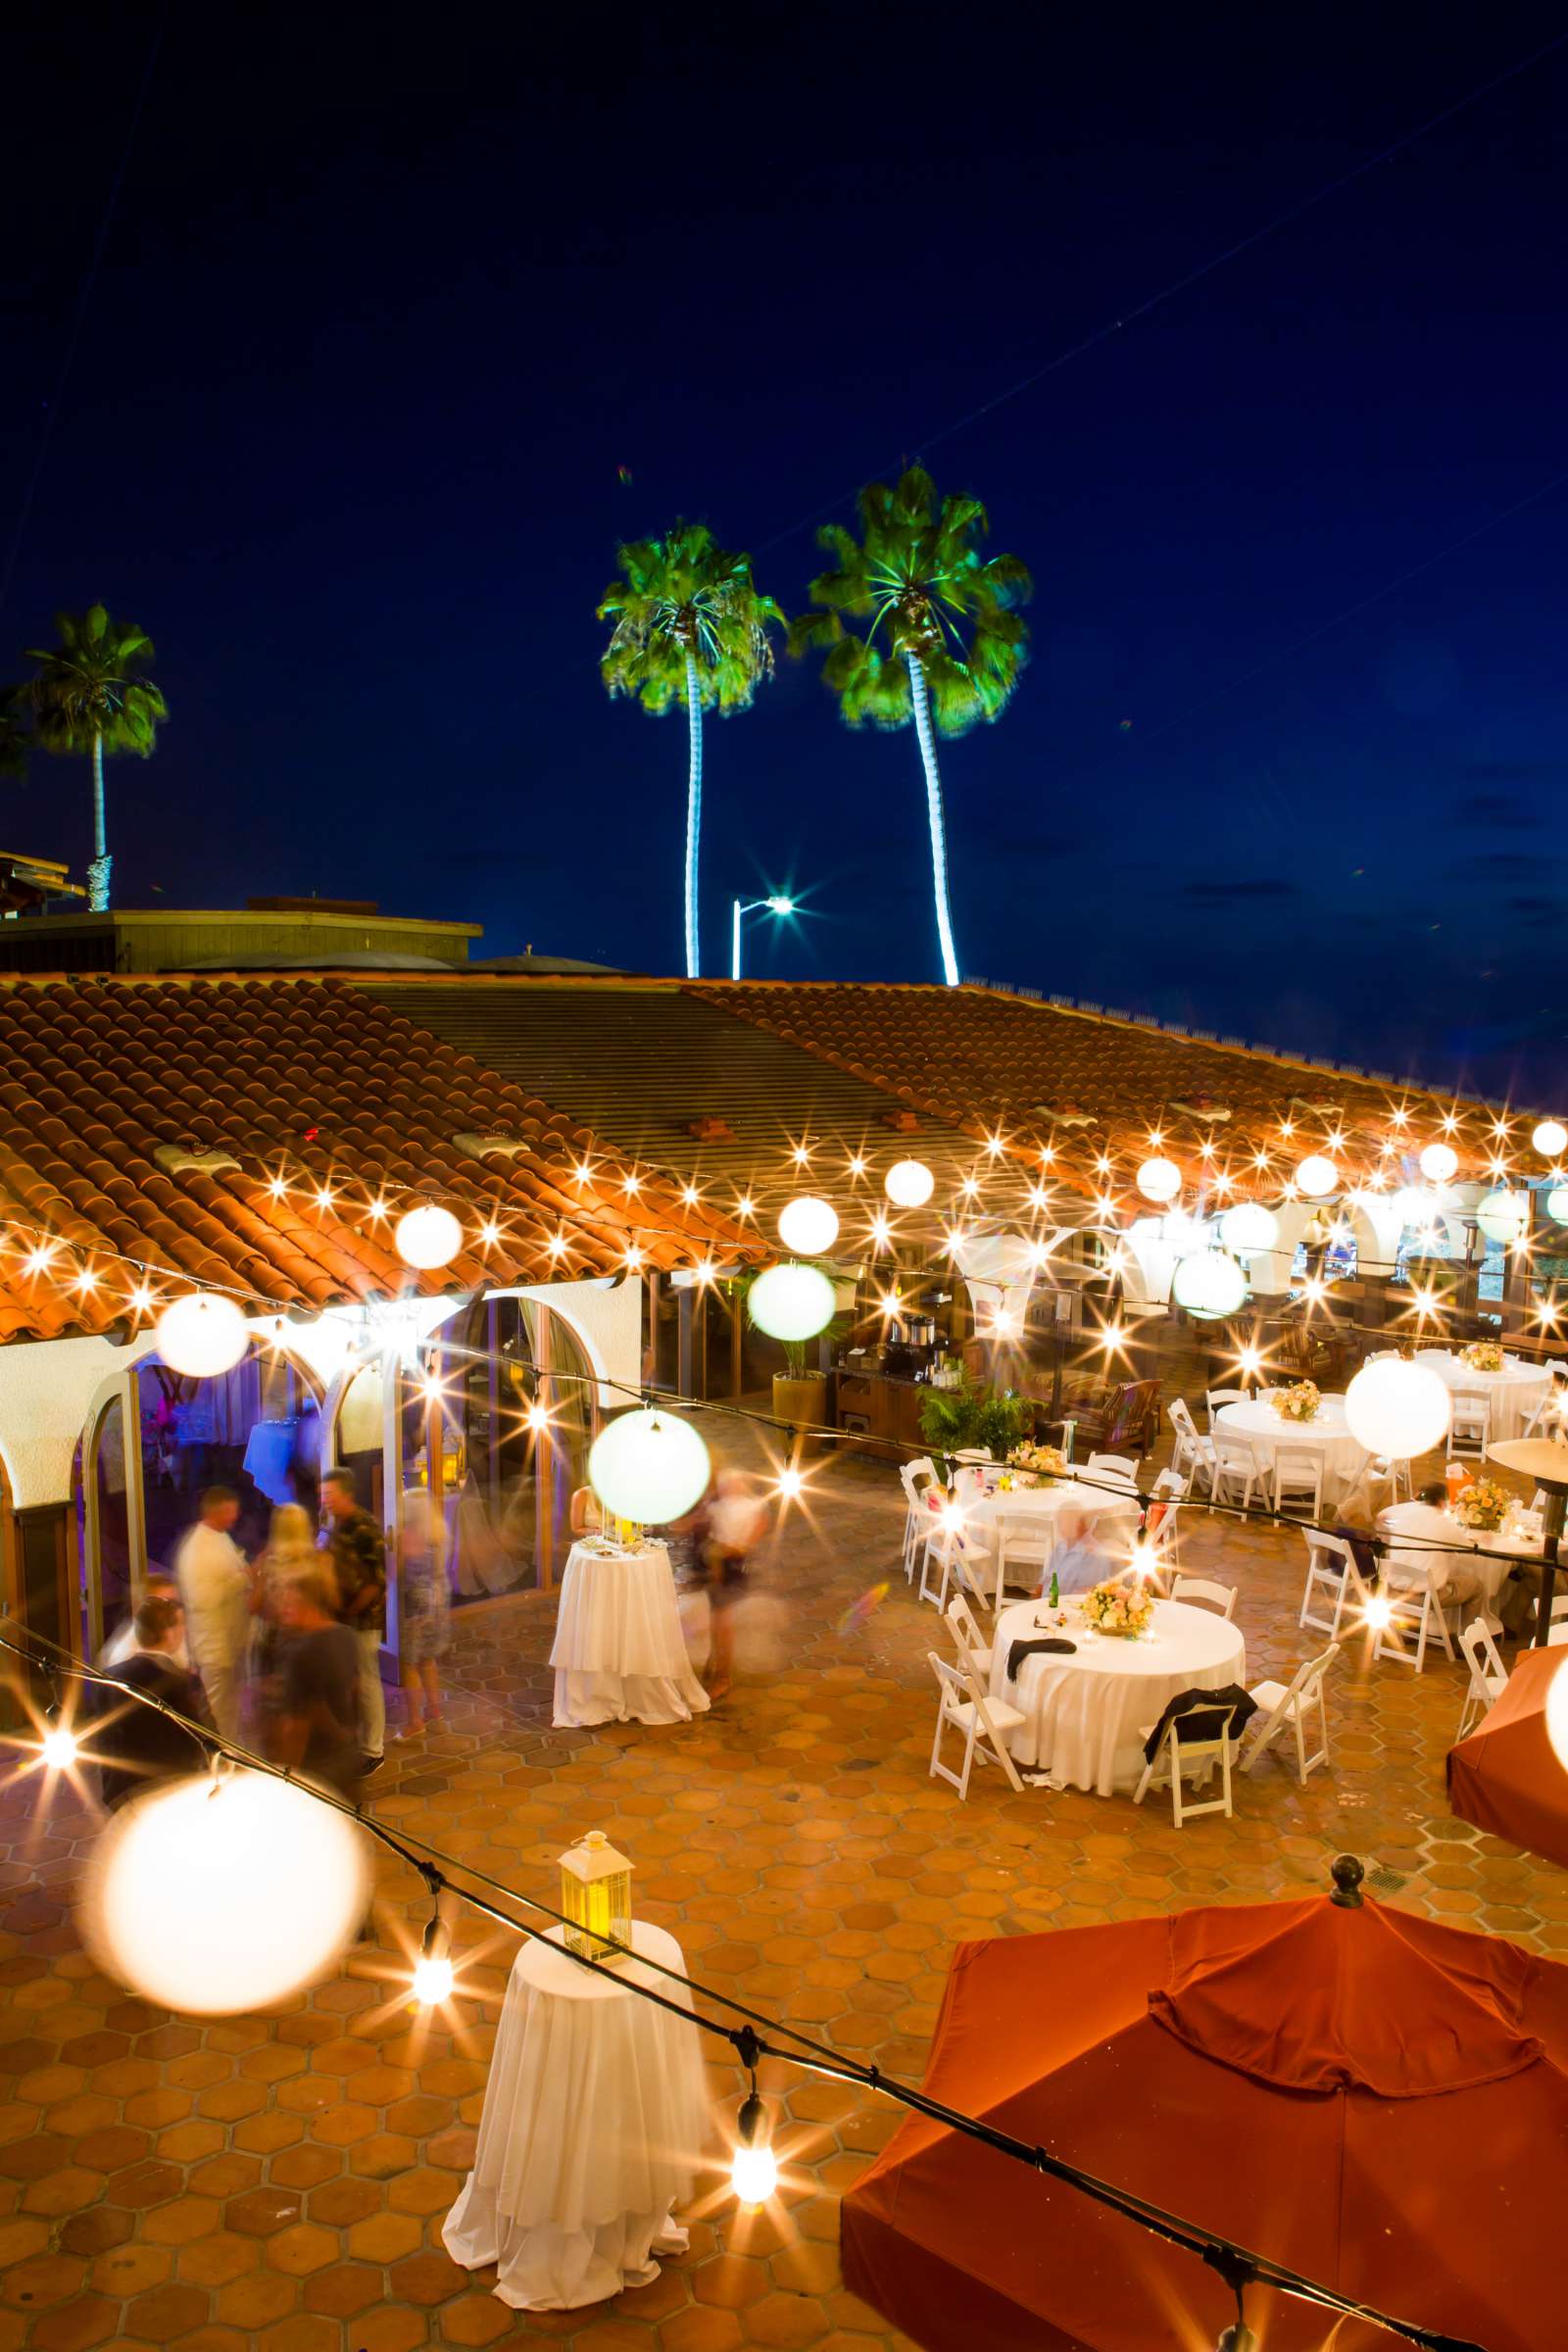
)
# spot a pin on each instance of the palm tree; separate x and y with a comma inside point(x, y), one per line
point(943, 611)
point(86, 696)
point(691, 626)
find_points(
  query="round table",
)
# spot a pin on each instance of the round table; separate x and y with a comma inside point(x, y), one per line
point(1477, 1563)
point(1328, 1436)
point(1085, 1716)
point(618, 1653)
point(1514, 1391)
point(1045, 1505)
point(595, 2118)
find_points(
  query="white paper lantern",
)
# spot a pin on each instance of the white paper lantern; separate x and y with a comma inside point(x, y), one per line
point(1160, 1179)
point(1503, 1216)
point(1439, 1162)
point(1418, 1206)
point(1249, 1226)
point(809, 1226)
point(427, 1237)
point(648, 1466)
point(908, 1183)
point(1557, 1205)
point(1551, 1139)
point(1209, 1283)
point(1317, 1176)
point(1398, 1409)
point(791, 1301)
point(202, 1335)
point(220, 1894)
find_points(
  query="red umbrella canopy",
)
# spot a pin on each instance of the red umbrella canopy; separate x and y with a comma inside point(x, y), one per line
point(1359, 2093)
point(1506, 1777)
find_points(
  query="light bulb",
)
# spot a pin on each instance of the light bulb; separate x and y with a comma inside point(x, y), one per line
point(790, 1483)
point(432, 1979)
point(753, 2169)
point(1377, 1613)
point(59, 1749)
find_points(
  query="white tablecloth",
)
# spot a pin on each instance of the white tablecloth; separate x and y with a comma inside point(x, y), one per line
point(1471, 1576)
point(595, 2118)
point(1085, 1715)
point(1114, 1517)
point(619, 1651)
point(1514, 1391)
point(1327, 1436)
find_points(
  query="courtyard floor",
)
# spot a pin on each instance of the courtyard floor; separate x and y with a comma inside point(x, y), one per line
point(278, 2183)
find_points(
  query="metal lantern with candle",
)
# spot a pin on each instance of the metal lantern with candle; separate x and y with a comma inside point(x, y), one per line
point(595, 1900)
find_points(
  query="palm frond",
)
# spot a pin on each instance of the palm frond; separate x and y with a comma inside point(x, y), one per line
point(88, 686)
point(683, 595)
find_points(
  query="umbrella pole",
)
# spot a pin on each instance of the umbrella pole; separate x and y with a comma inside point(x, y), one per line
point(1551, 1528)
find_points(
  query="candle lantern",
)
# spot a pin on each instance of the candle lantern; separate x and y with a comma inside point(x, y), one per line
point(595, 1900)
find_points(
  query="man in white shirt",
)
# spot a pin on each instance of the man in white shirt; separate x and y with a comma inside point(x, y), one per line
point(1426, 1546)
point(217, 1586)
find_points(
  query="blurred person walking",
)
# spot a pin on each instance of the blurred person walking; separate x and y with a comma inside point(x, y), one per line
point(737, 1522)
point(317, 1731)
point(290, 1550)
point(125, 1642)
point(215, 1586)
point(136, 1744)
point(1080, 1561)
point(426, 1602)
point(358, 1562)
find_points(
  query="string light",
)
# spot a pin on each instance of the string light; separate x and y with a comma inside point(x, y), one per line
point(631, 1183)
point(277, 1186)
point(59, 1748)
point(753, 2168)
point(857, 1165)
point(433, 1976)
point(325, 1196)
point(790, 1484)
point(490, 1233)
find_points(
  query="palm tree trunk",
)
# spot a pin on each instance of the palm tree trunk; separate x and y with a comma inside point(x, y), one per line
point(98, 871)
point(932, 806)
point(694, 810)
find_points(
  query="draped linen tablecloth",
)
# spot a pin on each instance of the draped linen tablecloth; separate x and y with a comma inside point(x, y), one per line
point(595, 2119)
point(1514, 1391)
point(1326, 1435)
point(620, 1652)
point(1085, 1715)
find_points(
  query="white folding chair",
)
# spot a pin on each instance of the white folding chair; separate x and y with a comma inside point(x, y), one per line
point(1489, 1676)
point(1204, 1589)
point(1299, 1477)
point(1414, 1611)
point(1217, 1398)
point(1286, 1707)
point(1024, 1539)
point(980, 1722)
point(1558, 1624)
point(1235, 1466)
point(1546, 1416)
point(1193, 1455)
point(974, 1651)
point(1112, 1468)
point(917, 1479)
point(1331, 1565)
point(1162, 1543)
point(1191, 1753)
point(959, 1552)
point(1470, 1421)
point(1383, 1469)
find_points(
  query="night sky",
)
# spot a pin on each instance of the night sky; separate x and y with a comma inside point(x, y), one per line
point(379, 325)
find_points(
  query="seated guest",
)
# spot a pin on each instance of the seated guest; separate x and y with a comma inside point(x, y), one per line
point(137, 1744)
point(1080, 1559)
point(1426, 1545)
point(1354, 1526)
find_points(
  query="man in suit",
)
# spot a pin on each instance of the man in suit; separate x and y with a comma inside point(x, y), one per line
point(135, 1746)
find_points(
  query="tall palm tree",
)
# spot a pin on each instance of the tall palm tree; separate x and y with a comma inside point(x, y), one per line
point(87, 696)
point(941, 644)
point(691, 626)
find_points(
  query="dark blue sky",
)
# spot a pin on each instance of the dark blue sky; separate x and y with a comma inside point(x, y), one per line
point(376, 326)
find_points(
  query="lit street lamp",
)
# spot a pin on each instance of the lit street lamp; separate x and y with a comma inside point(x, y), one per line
point(750, 906)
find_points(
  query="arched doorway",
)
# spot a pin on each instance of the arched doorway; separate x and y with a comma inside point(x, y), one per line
point(153, 1439)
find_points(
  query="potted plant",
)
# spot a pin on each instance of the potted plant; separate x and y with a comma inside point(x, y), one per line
point(971, 1417)
point(800, 1392)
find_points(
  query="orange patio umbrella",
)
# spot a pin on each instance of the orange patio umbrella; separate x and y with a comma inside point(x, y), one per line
point(1505, 1777)
point(1373, 2100)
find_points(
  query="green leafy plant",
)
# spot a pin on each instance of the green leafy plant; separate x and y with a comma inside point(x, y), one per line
point(88, 694)
point(938, 641)
point(973, 1417)
point(689, 626)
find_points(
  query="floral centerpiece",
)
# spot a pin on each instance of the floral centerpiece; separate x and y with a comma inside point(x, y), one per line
point(1121, 1609)
point(1482, 1355)
point(1483, 1503)
point(1036, 1462)
point(1297, 1403)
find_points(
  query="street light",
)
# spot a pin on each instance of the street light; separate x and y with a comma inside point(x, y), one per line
point(750, 906)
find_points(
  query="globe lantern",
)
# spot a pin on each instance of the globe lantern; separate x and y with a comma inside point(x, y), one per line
point(427, 1237)
point(1209, 1283)
point(648, 1467)
point(202, 1335)
point(808, 1226)
point(1249, 1226)
point(791, 1301)
point(1503, 1216)
point(1439, 1162)
point(908, 1183)
point(1398, 1409)
point(1160, 1179)
point(1316, 1176)
point(1551, 1139)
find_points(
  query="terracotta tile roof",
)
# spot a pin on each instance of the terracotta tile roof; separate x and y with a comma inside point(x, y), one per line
point(150, 1119)
point(1090, 1084)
